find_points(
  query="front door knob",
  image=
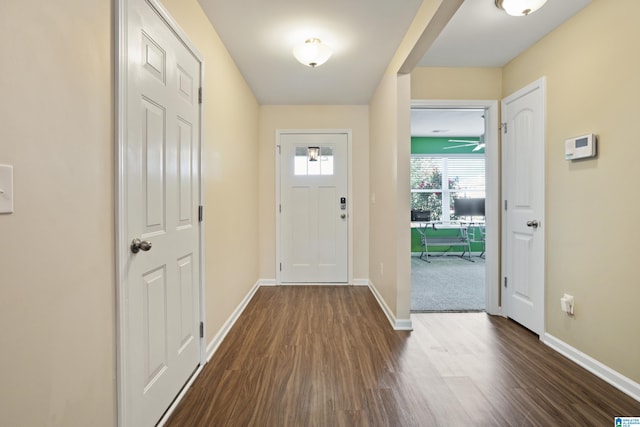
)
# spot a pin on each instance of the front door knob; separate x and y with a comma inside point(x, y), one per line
point(138, 245)
point(533, 224)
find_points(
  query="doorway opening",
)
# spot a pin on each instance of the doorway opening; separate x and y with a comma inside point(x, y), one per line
point(453, 194)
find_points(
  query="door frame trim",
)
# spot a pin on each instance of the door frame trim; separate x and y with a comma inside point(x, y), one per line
point(492, 189)
point(348, 132)
point(120, 196)
point(541, 84)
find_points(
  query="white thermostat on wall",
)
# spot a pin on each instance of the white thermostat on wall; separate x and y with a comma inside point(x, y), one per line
point(580, 147)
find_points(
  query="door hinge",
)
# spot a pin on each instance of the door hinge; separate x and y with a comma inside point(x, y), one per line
point(279, 152)
point(280, 208)
point(505, 281)
point(503, 127)
point(201, 329)
point(199, 95)
point(505, 205)
point(200, 213)
point(280, 266)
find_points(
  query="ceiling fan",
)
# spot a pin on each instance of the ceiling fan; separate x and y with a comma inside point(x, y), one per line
point(479, 145)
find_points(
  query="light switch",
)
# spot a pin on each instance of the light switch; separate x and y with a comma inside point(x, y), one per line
point(6, 189)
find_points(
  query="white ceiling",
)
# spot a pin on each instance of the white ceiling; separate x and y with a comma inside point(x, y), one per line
point(447, 122)
point(364, 35)
point(260, 36)
point(481, 35)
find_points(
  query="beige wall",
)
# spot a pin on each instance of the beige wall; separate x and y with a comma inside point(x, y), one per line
point(57, 272)
point(354, 117)
point(57, 291)
point(591, 64)
point(230, 170)
point(383, 240)
point(390, 151)
point(456, 83)
point(390, 239)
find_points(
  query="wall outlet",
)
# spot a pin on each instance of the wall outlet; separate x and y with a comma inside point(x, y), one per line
point(567, 303)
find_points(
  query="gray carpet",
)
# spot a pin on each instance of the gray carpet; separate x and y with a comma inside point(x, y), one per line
point(447, 283)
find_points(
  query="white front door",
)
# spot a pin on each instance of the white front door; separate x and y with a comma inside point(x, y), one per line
point(524, 182)
point(159, 299)
point(313, 208)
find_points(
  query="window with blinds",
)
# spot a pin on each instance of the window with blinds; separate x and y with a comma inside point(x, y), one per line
point(438, 178)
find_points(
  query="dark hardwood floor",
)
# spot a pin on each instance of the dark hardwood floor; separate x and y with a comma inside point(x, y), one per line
point(327, 356)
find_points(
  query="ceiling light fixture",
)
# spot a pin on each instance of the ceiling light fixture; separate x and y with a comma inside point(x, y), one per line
point(312, 53)
point(519, 7)
point(314, 152)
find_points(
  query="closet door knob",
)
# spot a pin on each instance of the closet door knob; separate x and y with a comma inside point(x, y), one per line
point(138, 245)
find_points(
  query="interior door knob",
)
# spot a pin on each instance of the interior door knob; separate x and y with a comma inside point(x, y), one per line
point(138, 245)
point(533, 224)
point(343, 216)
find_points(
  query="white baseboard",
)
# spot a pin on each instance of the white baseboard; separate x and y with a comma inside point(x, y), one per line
point(619, 381)
point(397, 324)
point(217, 339)
point(360, 282)
point(267, 282)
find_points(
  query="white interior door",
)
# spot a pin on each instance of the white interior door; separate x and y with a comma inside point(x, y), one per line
point(160, 154)
point(313, 208)
point(524, 182)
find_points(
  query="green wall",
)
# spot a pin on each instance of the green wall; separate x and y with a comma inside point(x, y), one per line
point(432, 145)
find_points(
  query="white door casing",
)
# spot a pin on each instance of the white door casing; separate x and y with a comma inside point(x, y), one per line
point(523, 147)
point(492, 189)
point(159, 290)
point(313, 231)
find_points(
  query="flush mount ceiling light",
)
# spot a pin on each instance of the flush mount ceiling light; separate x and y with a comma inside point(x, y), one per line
point(312, 53)
point(519, 7)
